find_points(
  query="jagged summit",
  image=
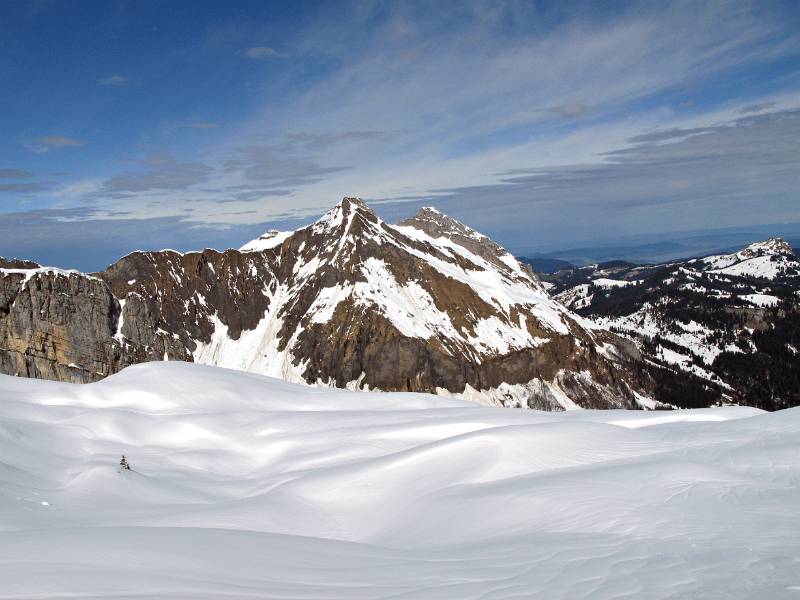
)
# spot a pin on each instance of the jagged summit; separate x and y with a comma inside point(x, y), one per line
point(353, 203)
point(437, 224)
point(346, 206)
point(342, 216)
point(338, 217)
point(353, 217)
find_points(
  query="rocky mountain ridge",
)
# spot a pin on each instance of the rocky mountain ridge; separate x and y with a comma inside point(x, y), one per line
point(728, 323)
point(350, 301)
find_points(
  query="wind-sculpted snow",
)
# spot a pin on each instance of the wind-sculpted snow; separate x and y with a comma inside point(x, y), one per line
point(249, 487)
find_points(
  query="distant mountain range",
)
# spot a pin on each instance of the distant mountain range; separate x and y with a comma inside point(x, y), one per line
point(728, 325)
point(664, 247)
point(545, 265)
point(425, 305)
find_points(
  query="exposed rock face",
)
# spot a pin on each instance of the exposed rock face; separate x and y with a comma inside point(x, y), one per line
point(15, 263)
point(427, 305)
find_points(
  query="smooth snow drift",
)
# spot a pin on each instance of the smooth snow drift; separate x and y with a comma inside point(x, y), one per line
point(248, 487)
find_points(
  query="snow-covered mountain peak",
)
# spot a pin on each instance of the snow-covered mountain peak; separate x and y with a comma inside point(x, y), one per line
point(336, 224)
point(769, 259)
point(342, 215)
point(432, 292)
point(437, 224)
point(349, 301)
point(774, 246)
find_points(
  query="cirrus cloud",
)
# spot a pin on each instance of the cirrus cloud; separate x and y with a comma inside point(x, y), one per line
point(49, 142)
point(261, 53)
point(113, 80)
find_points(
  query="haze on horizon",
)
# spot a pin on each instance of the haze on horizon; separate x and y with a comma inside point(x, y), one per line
point(546, 125)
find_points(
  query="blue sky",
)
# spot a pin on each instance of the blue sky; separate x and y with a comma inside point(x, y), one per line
point(187, 124)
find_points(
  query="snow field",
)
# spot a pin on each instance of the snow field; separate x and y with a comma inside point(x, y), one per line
point(249, 487)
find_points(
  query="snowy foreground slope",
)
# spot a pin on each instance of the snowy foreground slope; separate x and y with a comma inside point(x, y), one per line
point(248, 487)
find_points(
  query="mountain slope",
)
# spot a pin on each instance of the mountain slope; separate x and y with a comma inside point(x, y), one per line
point(349, 301)
point(730, 323)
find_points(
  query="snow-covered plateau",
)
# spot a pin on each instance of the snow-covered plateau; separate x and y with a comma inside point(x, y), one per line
point(248, 487)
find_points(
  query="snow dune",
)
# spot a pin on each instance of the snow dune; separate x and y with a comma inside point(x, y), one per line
point(249, 487)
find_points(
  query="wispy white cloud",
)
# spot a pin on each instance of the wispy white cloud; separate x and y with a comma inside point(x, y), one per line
point(113, 80)
point(465, 100)
point(59, 141)
point(261, 53)
point(743, 170)
point(49, 142)
point(79, 189)
point(446, 101)
point(474, 80)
